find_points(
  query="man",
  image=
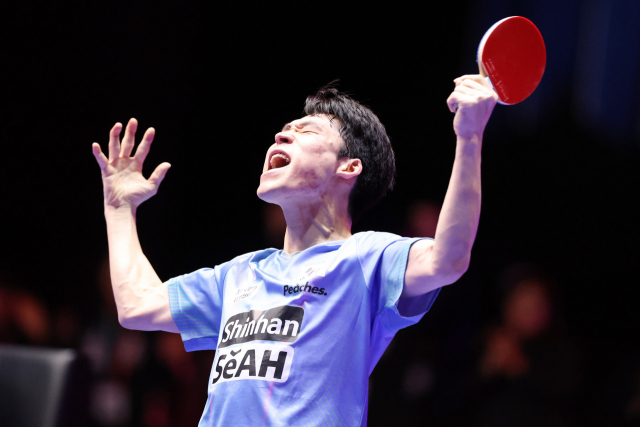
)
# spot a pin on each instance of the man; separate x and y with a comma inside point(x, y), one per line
point(298, 331)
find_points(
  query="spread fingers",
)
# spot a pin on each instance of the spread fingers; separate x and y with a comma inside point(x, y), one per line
point(145, 145)
point(129, 138)
point(114, 141)
point(100, 157)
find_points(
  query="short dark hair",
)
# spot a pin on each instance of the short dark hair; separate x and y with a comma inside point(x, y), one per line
point(365, 138)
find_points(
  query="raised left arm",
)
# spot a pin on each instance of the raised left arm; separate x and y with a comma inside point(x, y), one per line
point(440, 262)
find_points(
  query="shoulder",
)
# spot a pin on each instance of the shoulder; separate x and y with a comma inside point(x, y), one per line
point(372, 246)
point(375, 235)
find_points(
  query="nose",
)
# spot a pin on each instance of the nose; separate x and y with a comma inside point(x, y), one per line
point(283, 138)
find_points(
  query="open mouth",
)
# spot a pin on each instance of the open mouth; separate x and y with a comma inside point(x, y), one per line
point(279, 160)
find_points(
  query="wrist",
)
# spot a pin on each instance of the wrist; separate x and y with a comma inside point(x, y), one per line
point(469, 145)
point(120, 209)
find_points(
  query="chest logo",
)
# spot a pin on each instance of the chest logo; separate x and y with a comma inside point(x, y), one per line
point(276, 324)
point(266, 362)
point(289, 290)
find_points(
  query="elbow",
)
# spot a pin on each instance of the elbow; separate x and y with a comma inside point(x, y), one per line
point(454, 271)
point(136, 319)
point(416, 285)
point(130, 319)
point(460, 268)
point(458, 272)
point(126, 322)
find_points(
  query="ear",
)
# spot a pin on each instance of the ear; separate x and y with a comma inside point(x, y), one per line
point(349, 168)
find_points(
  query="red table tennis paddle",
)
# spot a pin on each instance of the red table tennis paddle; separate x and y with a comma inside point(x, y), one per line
point(512, 57)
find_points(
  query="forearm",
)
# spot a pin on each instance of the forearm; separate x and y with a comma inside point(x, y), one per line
point(433, 264)
point(458, 222)
point(139, 293)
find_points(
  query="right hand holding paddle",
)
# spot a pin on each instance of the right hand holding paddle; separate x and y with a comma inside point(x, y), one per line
point(472, 100)
point(123, 183)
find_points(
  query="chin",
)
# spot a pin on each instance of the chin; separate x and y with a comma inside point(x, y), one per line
point(265, 193)
point(270, 187)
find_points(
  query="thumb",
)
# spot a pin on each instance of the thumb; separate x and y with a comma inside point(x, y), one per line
point(158, 175)
point(453, 102)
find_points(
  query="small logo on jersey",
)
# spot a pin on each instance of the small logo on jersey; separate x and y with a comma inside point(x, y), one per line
point(247, 291)
point(266, 362)
point(303, 288)
point(312, 273)
point(276, 324)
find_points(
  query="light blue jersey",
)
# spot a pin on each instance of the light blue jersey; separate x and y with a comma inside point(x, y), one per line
point(298, 335)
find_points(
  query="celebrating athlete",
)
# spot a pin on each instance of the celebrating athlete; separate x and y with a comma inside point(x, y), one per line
point(298, 331)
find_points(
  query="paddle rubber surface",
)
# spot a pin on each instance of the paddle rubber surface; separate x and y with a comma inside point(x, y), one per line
point(512, 54)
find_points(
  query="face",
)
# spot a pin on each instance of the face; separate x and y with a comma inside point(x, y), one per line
point(303, 161)
point(528, 309)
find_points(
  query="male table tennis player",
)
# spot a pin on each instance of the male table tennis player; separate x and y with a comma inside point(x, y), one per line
point(298, 331)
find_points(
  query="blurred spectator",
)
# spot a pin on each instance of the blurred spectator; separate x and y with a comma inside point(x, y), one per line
point(528, 371)
point(67, 329)
point(141, 378)
point(422, 219)
point(114, 354)
point(171, 386)
point(418, 380)
point(23, 318)
point(5, 317)
point(427, 380)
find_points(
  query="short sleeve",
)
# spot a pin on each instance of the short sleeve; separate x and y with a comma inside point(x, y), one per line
point(196, 308)
point(383, 258)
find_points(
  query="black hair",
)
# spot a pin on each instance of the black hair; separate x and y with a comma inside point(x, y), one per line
point(365, 138)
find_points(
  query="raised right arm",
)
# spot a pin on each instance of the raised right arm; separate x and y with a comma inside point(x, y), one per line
point(141, 297)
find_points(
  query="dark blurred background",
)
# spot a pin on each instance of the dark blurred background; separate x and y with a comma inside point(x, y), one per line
point(543, 328)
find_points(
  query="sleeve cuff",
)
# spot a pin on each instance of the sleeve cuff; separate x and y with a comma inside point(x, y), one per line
point(411, 309)
point(196, 344)
point(191, 343)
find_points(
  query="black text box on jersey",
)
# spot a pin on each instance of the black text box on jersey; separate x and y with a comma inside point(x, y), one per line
point(276, 324)
point(264, 362)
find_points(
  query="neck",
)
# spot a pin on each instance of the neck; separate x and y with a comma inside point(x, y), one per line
point(310, 224)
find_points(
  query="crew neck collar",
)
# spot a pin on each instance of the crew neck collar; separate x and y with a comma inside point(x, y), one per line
point(286, 255)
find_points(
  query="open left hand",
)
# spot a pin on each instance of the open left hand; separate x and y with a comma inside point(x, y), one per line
point(474, 100)
point(122, 180)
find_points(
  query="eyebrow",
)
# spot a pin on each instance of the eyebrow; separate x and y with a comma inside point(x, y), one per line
point(302, 124)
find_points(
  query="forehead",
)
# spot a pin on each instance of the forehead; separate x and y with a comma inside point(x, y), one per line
point(320, 122)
